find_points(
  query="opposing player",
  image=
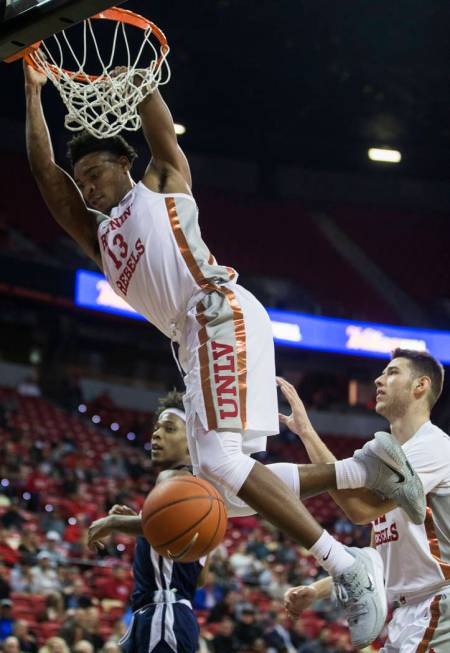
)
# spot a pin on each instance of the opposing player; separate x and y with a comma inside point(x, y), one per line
point(163, 620)
point(416, 556)
point(152, 253)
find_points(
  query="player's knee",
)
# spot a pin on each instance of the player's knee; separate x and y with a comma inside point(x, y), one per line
point(221, 459)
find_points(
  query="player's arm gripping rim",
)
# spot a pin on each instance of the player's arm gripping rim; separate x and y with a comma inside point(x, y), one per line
point(168, 171)
point(361, 506)
point(58, 189)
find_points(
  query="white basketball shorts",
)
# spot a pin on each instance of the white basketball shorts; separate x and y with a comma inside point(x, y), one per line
point(227, 353)
point(422, 627)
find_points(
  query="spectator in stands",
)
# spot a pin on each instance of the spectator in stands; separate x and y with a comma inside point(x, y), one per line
point(279, 638)
point(6, 619)
point(12, 518)
point(55, 645)
point(113, 465)
point(21, 578)
point(313, 646)
point(11, 645)
point(53, 521)
point(224, 641)
point(27, 641)
point(84, 646)
point(28, 547)
point(265, 574)
point(74, 628)
point(118, 631)
point(279, 583)
point(75, 592)
point(256, 545)
point(44, 578)
point(92, 625)
point(55, 553)
point(118, 585)
point(111, 647)
point(209, 595)
point(54, 607)
point(247, 628)
point(242, 563)
point(220, 565)
point(227, 608)
point(8, 554)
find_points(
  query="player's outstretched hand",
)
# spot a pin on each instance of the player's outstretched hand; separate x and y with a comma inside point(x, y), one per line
point(298, 421)
point(33, 77)
point(98, 530)
point(298, 599)
point(122, 510)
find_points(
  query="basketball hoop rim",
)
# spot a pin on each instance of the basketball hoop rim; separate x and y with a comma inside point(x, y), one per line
point(114, 14)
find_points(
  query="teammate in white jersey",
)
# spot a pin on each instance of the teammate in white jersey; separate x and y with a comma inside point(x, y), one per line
point(146, 239)
point(416, 557)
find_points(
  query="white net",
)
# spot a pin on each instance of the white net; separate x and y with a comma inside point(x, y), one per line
point(105, 103)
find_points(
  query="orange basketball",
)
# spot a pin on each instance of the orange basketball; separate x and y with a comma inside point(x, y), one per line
point(184, 518)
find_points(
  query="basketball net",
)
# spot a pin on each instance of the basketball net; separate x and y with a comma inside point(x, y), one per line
point(107, 103)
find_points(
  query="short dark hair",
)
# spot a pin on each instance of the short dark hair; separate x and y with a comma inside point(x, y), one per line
point(172, 399)
point(424, 364)
point(84, 143)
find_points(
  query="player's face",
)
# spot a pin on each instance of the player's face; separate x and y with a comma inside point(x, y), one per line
point(394, 389)
point(103, 179)
point(169, 443)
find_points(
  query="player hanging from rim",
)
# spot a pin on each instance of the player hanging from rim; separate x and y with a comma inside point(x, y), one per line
point(416, 556)
point(146, 239)
point(163, 620)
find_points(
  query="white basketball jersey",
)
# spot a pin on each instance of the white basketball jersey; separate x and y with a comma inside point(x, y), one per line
point(417, 557)
point(154, 257)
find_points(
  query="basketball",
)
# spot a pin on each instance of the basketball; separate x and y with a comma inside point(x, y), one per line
point(184, 518)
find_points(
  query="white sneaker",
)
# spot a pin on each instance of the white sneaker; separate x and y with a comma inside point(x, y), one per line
point(391, 476)
point(361, 594)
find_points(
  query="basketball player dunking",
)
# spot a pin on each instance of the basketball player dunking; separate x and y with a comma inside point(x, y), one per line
point(163, 620)
point(146, 239)
point(416, 556)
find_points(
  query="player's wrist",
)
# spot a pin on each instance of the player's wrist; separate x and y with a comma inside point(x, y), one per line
point(33, 91)
point(306, 432)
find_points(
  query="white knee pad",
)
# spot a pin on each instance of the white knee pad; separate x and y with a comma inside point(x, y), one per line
point(287, 472)
point(220, 459)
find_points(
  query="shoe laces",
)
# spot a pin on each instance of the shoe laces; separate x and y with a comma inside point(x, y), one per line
point(349, 590)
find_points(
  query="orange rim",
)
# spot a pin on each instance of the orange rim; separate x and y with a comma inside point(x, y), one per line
point(115, 14)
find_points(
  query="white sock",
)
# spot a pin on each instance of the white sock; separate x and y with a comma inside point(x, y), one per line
point(350, 474)
point(331, 555)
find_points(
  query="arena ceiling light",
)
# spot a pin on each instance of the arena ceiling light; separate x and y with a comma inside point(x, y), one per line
point(384, 155)
point(179, 129)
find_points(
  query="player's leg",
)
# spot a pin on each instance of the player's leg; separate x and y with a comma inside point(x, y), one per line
point(235, 352)
point(358, 574)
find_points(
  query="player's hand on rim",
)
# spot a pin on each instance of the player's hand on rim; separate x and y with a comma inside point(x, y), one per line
point(122, 70)
point(33, 77)
point(298, 599)
point(298, 421)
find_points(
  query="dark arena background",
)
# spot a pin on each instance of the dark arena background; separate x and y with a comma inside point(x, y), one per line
point(279, 104)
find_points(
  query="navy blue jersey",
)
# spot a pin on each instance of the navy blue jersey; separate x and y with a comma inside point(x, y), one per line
point(163, 620)
point(152, 573)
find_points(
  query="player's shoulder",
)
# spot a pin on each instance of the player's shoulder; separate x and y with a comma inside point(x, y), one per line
point(430, 440)
point(433, 432)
